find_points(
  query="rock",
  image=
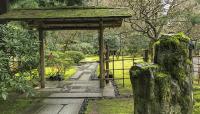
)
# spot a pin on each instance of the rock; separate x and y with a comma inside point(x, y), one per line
point(164, 87)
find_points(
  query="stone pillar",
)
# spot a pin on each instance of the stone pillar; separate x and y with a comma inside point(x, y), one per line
point(164, 87)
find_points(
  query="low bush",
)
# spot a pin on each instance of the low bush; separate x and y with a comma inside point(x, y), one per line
point(75, 56)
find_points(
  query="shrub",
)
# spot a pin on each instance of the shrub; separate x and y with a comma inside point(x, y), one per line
point(86, 48)
point(60, 61)
point(75, 56)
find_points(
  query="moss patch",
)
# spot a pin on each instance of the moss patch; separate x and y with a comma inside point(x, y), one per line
point(110, 106)
point(65, 13)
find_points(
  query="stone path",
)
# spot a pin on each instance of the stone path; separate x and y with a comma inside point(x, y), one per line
point(68, 96)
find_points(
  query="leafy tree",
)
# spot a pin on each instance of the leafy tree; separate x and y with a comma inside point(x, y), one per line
point(18, 49)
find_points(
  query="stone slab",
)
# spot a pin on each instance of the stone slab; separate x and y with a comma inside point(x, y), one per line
point(77, 75)
point(80, 90)
point(109, 90)
point(62, 101)
point(85, 85)
point(70, 109)
point(85, 77)
point(75, 95)
point(50, 90)
point(50, 109)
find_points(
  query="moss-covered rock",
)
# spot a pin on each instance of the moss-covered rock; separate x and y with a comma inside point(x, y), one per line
point(164, 87)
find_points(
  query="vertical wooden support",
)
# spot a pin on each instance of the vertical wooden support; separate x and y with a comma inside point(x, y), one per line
point(107, 61)
point(198, 68)
point(123, 68)
point(146, 55)
point(42, 57)
point(3, 8)
point(101, 55)
point(113, 65)
point(190, 53)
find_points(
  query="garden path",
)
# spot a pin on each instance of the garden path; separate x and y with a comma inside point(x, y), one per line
point(67, 97)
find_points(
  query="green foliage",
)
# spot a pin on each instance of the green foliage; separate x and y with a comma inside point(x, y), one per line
point(75, 56)
point(74, 2)
point(113, 42)
point(86, 48)
point(24, 4)
point(44, 3)
point(60, 61)
point(18, 52)
point(136, 44)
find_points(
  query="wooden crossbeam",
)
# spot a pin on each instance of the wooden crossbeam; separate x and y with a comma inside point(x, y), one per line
point(57, 25)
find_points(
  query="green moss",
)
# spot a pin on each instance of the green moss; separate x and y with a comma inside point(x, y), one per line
point(65, 13)
point(143, 68)
point(161, 74)
point(110, 106)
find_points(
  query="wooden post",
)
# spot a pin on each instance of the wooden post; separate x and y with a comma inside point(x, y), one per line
point(146, 55)
point(107, 61)
point(101, 55)
point(113, 65)
point(42, 57)
point(3, 8)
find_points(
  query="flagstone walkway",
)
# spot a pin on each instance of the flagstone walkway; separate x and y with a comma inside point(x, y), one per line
point(67, 97)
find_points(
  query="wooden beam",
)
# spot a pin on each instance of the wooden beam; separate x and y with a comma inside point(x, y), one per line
point(101, 55)
point(65, 19)
point(72, 26)
point(42, 58)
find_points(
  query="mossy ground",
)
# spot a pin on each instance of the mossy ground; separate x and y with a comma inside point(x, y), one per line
point(19, 104)
point(197, 98)
point(110, 106)
point(14, 107)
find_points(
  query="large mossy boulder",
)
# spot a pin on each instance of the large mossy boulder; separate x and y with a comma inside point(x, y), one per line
point(164, 87)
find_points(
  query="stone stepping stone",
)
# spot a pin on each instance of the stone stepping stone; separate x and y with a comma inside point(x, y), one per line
point(62, 101)
point(50, 90)
point(50, 109)
point(79, 90)
point(84, 66)
point(85, 77)
point(77, 75)
point(86, 84)
point(70, 109)
point(75, 95)
point(108, 90)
